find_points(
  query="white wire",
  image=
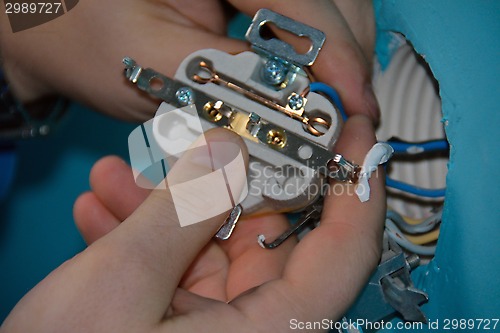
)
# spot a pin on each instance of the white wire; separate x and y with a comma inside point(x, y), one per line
point(395, 234)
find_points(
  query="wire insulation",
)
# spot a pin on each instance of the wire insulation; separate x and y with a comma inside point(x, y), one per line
point(425, 225)
point(395, 234)
point(417, 148)
point(425, 238)
point(419, 191)
point(398, 146)
point(332, 94)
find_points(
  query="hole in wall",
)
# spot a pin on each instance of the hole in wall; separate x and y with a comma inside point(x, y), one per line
point(408, 95)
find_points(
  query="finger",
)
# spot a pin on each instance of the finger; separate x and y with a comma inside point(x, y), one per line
point(115, 197)
point(361, 20)
point(330, 265)
point(92, 218)
point(207, 14)
point(150, 251)
point(353, 226)
point(231, 267)
point(207, 275)
point(192, 313)
point(139, 30)
point(251, 265)
point(350, 233)
point(113, 184)
point(341, 63)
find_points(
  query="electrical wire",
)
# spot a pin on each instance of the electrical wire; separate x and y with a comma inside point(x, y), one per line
point(425, 238)
point(419, 191)
point(410, 220)
point(395, 234)
point(398, 146)
point(320, 87)
point(411, 243)
point(417, 148)
point(412, 149)
point(421, 226)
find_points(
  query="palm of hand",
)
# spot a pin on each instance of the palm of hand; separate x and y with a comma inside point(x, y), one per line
point(225, 269)
point(222, 270)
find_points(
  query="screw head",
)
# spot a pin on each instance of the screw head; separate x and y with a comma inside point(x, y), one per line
point(212, 110)
point(185, 96)
point(276, 138)
point(274, 71)
point(128, 62)
point(295, 101)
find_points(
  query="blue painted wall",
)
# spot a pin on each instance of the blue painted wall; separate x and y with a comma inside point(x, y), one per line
point(37, 232)
point(460, 42)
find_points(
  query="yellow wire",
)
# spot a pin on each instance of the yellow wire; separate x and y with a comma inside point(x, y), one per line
point(410, 220)
point(428, 237)
point(425, 238)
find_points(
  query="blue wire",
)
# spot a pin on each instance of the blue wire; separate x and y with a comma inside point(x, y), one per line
point(422, 192)
point(398, 146)
point(415, 148)
point(331, 93)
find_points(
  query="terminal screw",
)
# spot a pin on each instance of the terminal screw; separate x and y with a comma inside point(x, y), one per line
point(185, 96)
point(295, 101)
point(276, 138)
point(274, 72)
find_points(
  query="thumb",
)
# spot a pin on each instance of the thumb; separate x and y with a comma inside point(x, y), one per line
point(163, 236)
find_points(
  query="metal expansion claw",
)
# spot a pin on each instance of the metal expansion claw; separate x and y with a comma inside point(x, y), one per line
point(227, 228)
point(311, 214)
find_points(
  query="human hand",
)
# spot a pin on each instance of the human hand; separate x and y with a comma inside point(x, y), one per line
point(79, 53)
point(150, 274)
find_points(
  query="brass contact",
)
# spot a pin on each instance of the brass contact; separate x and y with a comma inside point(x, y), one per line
point(276, 138)
point(212, 111)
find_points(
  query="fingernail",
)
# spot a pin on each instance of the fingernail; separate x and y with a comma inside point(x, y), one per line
point(221, 148)
point(211, 151)
point(372, 103)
